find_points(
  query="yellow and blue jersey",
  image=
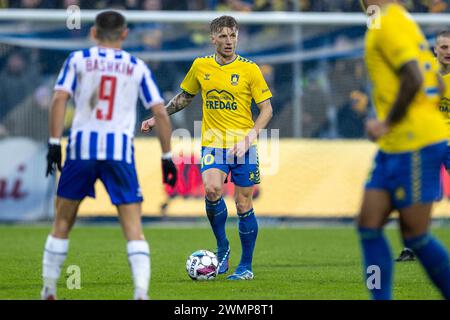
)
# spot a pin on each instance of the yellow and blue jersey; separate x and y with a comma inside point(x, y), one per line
point(444, 108)
point(408, 163)
point(227, 92)
point(399, 40)
point(444, 105)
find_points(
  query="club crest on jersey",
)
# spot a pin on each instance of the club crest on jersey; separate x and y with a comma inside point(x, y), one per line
point(234, 79)
point(207, 75)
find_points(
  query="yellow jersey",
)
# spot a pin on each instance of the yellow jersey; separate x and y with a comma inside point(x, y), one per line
point(397, 41)
point(227, 92)
point(444, 105)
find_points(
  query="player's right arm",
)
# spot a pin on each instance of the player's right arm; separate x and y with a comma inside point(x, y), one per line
point(56, 127)
point(57, 113)
point(177, 103)
point(190, 86)
point(64, 88)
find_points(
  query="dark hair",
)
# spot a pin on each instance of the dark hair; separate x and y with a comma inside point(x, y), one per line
point(223, 22)
point(110, 25)
point(443, 33)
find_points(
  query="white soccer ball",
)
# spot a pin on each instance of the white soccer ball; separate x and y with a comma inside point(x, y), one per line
point(202, 265)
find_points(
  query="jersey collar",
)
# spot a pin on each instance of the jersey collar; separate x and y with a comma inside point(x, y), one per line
point(226, 64)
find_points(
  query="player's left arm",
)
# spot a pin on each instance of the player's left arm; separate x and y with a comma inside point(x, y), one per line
point(261, 122)
point(261, 94)
point(411, 81)
point(263, 119)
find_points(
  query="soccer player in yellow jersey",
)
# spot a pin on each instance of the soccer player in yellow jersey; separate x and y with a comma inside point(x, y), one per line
point(228, 83)
point(412, 138)
point(442, 51)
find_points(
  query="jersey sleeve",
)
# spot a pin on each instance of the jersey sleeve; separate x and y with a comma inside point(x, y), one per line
point(67, 78)
point(259, 88)
point(393, 40)
point(190, 83)
point(148, 90)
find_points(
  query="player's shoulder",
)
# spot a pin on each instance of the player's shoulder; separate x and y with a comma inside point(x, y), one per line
point(245, 61)
point(135, 61)
point(246, 64)
point(446, 77)
point(204, 60)
point(446, 80)
point(76, 55)
point(396, 14)
point(128, 57)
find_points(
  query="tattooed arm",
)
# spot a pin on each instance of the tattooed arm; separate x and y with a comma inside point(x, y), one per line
point(178, 103)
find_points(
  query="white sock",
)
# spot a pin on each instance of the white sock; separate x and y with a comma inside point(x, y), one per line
point(139, 259)
point(54, 255)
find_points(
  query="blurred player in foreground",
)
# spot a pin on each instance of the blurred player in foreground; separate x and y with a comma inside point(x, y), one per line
point(442, 51)
point(412, 137)
point(105, 83)
point(228, 83)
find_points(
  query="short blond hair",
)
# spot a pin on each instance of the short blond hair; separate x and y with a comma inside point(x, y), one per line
point(223, 22)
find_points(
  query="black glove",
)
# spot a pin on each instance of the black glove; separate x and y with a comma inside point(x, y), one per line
point(53, 158)
point(169, 172)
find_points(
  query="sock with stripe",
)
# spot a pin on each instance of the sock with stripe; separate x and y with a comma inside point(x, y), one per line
point(434, 258)
point(217, 215)
point(55, 253)
point(139, 259)
point(377, 253)
point(248, 232)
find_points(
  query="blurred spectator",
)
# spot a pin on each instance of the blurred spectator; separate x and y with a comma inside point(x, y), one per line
point(350, 119)
point(233, 5)
point(68, 3)
point(352, 116)
point(196, 5)
point(175, 5)
point(132, 4)
point(345, 76)
point(438, 6)
point(150, 34)
point(314, 102)
point(37, 4)
point(240, 5)
point(17, 81)
point(27, 119)
point(116, 5)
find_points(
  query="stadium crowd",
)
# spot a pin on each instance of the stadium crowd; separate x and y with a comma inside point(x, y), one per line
point(331, 108)
point(237, 5)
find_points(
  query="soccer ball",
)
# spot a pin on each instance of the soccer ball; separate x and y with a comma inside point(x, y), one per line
point(202, 265)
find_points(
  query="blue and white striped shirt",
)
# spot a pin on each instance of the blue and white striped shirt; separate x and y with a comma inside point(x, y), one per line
point(105, 84)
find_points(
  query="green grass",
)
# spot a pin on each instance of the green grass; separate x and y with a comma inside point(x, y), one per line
point(289, 263)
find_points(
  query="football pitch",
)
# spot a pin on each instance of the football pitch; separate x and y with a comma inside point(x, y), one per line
point(290, 263)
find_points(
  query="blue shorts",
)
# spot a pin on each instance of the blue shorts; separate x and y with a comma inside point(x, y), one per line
point(78, 178)
point(409, 177)
point(447, 159)
point(244, 170)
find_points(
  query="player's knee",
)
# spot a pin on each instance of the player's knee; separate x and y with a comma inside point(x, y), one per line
point(213, 192)
point(243, 205)
point(408, 231)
